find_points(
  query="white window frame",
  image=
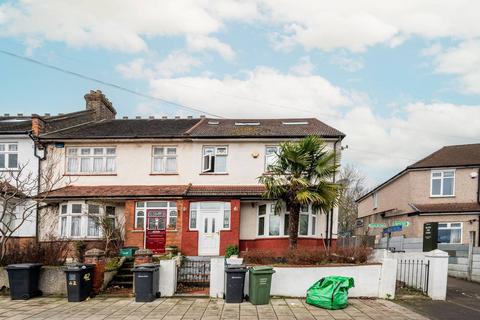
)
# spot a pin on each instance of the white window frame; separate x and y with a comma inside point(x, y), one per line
point(449, 227)
point(375, 200)
point(84, 218)
point(266, 161)
point(6, 152)
point(270, 210)
point(441, 178)
point(144, 207)
point(78, 156)
point(195, 207)
point(163, 157)
point(207, 158)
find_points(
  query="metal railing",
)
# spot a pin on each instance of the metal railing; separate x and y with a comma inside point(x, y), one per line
point(413, 274)
point(193, 275)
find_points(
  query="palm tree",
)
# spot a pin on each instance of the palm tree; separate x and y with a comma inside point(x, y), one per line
point(301, 176)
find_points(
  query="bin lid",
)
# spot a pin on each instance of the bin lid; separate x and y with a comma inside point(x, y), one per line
point(135, 248)
point(236, 268)
point(262, 269)
point(19, 266)
point(78, 267)
point(146, 267)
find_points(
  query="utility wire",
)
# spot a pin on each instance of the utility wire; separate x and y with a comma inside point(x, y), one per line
point(109, 84)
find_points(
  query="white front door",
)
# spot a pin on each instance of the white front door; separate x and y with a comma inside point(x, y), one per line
point(210, 219)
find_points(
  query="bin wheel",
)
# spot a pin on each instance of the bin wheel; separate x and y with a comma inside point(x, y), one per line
point(39, 293)
point(247, 298)
point(224, 296)
point(158, 294)
point(25, 296)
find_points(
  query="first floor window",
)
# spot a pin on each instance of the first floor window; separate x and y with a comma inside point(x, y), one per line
point(442, 183)
point(214, 159)
point(8, 156)
point(90, 160)
point(450, 232)
point(165, 159)
point(271, 156)
point(272, 224)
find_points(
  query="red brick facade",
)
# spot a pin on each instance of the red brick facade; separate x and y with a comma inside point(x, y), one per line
point(232, 236)
point(133, 237)
point(189, 237)
point(280, 245)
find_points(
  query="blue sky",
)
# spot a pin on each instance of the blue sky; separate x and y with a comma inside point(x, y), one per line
point(400, 79)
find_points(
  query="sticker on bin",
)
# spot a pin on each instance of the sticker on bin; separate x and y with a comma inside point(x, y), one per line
point(86, 277)
point(72, 282)
point(263, 281)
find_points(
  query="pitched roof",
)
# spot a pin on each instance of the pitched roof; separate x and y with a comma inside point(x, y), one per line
point(142, 191)
point(447, 207)
point(15, 124)
point(451, 156)
point(196, 128)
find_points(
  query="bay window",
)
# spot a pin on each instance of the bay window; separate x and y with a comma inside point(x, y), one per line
point(271, 224)
point(80, 220)
point(164, 159)
point(450, 232)
point(8, 156)
point(214, 159)
point(91, 160)
point(442, 183)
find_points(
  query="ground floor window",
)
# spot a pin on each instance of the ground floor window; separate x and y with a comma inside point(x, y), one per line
point(81, 220)
point(450, 232)
point(142, 208)
point(271, 224)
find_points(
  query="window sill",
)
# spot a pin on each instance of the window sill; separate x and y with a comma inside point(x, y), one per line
point(10, 170)
point(441, 196)
point(213, 174)
point(137, 230)
point(163, 174)
point(89, 174)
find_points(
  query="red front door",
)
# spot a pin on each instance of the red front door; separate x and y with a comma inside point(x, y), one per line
point(156, 230)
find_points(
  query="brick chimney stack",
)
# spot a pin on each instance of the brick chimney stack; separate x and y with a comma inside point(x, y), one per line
point(38, 124)
point(103, 108)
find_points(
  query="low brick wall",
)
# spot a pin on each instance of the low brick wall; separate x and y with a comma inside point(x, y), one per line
point(52, 280)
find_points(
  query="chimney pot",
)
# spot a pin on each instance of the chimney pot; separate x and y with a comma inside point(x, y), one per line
point(20, 114)
point(138, 117)
point(103, 108)
point(177, 117)
point(47, 114)
point(202, 116)
point(189, 117)
point(164, 117)
point(125, 118)
point(7, 114)
point(151, 117)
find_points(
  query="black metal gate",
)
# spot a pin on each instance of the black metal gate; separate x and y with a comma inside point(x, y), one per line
point(193, 276)
point(413, 274)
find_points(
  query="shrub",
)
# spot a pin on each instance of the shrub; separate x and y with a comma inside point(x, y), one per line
point(80, 247)
point(50, 253)
point(309, 256)
point(231, 250)
point(113, 264)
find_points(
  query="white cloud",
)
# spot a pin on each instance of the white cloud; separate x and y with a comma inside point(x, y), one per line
point(201, 43)
point(117, 25)
point(347, 63)
point(304, 67)
point(462, 61)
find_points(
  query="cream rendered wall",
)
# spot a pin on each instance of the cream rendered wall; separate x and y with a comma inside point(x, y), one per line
point(134, 163)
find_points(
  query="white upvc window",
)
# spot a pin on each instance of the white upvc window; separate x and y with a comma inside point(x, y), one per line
point(164, 159)
point(442, 183)
point(196, 208)
point(9, 156)
point(214, 159)
point(81, 220)
point(271, 224)
point(375, 200)
point(141, 212)
point(90, 160)
point(271, 156)
point(450, 232)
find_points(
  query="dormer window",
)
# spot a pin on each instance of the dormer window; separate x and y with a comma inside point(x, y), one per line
point(442, 183)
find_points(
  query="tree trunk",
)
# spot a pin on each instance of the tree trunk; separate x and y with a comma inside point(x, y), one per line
point(293, 217)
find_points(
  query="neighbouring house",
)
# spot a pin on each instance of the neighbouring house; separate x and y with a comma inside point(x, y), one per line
point(21, 152)
point(190, 183)
point(443, 188)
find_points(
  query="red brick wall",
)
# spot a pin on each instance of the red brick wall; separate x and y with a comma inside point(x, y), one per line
point(232, 236)
point(280, 245)
point(133, 238)
point(189, 246)
point(174, 237)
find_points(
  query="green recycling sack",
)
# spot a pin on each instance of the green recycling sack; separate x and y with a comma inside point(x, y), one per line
point(330, 292)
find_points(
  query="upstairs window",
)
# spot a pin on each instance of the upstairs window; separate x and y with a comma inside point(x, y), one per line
point(271, 156)
point(91, 160)
point(8, 156)
point(375, 200)
point(214, 159)
point(164, 159)
point(442, 183)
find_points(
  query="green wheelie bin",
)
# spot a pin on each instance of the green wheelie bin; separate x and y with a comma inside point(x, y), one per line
point(259, 284)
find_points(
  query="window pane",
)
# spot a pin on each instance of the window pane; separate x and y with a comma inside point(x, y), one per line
point(286, 223)
point(72, 165)
point(2, 147)
point(158, 165)
point(13, 160)
point(172, 204)
point(63, 226)
point(157, 204)
point(64, 209)
point(442, 225)
point(171, 150)
point(193, 219)
point(85, 151)
point(140, 204)
point(448, 174)
point(436, 185)
point(140, 222)
point(98, 165)
point(172, 222)
point(436, 174)
point(208, 150)
point(314, 224)
point(110, 165)
point(222, 150)
point(158, 151)
point(2, 160)
point(12, 147)
point(303, 225)
point(274, 225)
point(171, 165)
point(72, 151)
point(85, 165)
point(93, 227)
point(226, 219)
point(75, 228)
point(456, 225)
point(111, 151)
point(261, 226)
point(455, 236)
point(98, 151)
point(448, 186)
point(110, 210)
point(220, 164)
point(76, 208)
point(93, 209)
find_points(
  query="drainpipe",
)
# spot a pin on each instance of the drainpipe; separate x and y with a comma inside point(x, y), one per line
point(40, 158)
point(330, 216)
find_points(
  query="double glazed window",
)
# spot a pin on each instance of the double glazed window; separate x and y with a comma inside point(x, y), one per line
point(450, 232)
point(91, 160)
point(78, 220)
point(442, 183)
point(271, 224)
point(271, 156)
point(164, 159)
point(8, 156)
point(214, 159)
point(142, 209)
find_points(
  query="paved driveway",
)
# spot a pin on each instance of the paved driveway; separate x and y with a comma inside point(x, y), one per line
point(463, 302)
point(187, 308)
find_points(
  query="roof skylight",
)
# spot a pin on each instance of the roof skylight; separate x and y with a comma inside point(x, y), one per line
point(247, 123)
point(294, 123)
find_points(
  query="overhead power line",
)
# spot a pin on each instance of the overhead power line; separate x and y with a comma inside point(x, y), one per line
point(106, 83)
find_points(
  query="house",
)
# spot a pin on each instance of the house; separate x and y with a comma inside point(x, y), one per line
point(443, 188)
point(190, 183)
point(21, 153)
